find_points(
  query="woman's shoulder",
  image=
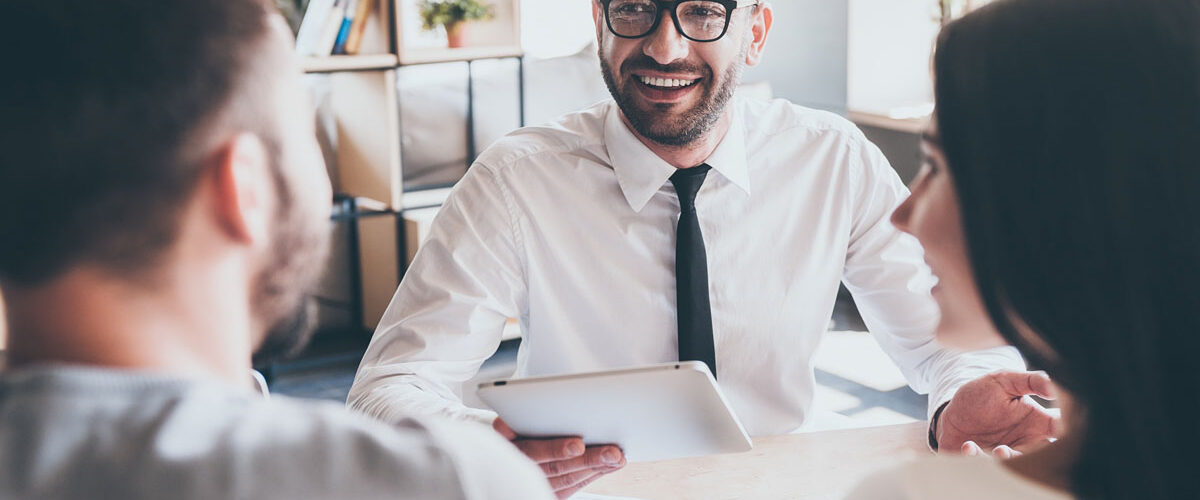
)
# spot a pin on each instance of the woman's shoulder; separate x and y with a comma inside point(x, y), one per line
point(946, 478)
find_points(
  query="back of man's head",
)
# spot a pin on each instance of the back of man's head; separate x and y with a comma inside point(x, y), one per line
point(106, 111)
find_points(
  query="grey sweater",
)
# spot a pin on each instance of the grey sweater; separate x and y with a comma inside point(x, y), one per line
point(88, 433)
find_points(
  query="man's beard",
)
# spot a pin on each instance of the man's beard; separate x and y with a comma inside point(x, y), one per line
point(695, 122)
point(283, 290)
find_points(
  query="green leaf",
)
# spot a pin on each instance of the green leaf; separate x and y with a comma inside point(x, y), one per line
point(436, 13)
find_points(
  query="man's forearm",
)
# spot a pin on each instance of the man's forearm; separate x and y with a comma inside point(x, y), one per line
point(396, 397)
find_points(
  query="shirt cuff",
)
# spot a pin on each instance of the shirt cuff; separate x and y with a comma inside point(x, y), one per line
point(933, 423)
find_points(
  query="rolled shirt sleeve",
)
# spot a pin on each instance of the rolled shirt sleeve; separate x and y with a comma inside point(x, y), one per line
point(886, 272)
point(448, 315)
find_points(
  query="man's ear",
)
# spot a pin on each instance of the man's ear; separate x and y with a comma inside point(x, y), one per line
point(759, 31)
point(598, 17)
point(243, 198)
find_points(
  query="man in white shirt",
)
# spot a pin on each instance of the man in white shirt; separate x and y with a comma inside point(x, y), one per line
point(675, 222)
point(164, 212)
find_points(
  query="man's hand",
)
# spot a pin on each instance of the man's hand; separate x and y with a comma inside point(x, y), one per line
point(996, 412)
point(568, 464)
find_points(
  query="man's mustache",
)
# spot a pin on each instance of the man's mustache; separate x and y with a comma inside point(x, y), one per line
point(647, 63)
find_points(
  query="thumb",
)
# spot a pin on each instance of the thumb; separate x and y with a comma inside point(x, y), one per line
point(1029, 383)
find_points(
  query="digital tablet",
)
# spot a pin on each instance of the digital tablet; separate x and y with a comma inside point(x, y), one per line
point(655, 412)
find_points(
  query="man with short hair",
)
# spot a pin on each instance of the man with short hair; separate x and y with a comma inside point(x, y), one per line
point(677, 222)
point(164, 212)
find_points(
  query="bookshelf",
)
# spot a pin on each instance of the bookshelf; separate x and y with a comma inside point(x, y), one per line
point(334, 64)
point(364, 102)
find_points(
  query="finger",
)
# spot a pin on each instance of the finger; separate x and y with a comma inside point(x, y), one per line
point(1041, 385)
point(1031, 445)
point(597, 457)
point(550, 450)
point(582, 484)
point(1052, 423)
point(1028, 383)
point(1041, 423)
point(504, 429)
point(572, 480)
point(1004, 452)
point(971, 449)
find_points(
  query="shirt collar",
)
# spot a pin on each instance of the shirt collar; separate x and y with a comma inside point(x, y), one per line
point(641, 173)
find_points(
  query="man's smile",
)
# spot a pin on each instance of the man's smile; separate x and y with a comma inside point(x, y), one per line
point(665, 88)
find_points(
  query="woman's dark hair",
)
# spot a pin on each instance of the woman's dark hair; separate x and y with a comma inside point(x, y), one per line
point(1072, 131)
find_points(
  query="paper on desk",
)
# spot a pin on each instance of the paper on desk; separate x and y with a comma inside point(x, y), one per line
point(593, 496)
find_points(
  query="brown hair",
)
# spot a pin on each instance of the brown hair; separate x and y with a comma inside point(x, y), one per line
point(105, 109)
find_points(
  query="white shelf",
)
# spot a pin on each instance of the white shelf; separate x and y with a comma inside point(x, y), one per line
point(426, 198)
point(434, 55)
point(332, 64)
point(887, 121)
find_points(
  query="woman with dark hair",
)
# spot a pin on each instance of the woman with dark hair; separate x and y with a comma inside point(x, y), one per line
point(1057, 208)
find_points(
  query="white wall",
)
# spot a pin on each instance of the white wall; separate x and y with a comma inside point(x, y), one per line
point(805, 58)
point(806, 52)
point(890, 44)
point(553, 28)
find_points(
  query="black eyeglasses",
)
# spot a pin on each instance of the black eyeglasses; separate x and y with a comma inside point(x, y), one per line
point(696, 20)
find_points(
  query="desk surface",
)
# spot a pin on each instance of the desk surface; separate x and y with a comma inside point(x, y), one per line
point(815, 466)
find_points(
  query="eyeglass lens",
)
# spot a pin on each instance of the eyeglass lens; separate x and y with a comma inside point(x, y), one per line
point(699, 19)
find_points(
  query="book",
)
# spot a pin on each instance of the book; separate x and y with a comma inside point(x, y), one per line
point(339, 46)
point(329, 31)
point(309, 35)
point(354, 41)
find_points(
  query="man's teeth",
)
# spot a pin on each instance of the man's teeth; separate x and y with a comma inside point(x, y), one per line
point(665, 82)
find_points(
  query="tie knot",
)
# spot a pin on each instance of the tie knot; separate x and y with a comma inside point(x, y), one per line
point(687, 183)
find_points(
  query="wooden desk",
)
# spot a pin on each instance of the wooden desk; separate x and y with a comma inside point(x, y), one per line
point(816, 466)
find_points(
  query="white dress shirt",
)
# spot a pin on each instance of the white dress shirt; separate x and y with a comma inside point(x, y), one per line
point(570, 228)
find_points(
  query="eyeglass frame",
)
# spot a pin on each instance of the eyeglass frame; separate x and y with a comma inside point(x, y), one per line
point(731, 6)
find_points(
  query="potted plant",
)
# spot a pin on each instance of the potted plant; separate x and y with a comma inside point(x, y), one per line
point(453, 15)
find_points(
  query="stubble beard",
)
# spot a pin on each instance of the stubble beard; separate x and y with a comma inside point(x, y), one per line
point(283, 289)
point(694, 123)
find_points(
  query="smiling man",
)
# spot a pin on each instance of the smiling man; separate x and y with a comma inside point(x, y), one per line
point(676, 222)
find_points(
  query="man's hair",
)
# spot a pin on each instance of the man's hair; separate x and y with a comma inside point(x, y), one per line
point(106, 111)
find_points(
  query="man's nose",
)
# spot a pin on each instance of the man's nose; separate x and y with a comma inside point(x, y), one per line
point(666, 44)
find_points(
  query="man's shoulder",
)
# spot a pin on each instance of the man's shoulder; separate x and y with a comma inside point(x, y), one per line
point(580, 133)
point(781, 118)
point(203, 440)
point(415, 457)
point(424, 457)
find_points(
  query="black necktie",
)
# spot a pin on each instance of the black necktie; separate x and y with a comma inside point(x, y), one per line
point(691, 273)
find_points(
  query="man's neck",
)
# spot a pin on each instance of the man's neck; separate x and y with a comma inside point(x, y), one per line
point(692, 154)
point(89, 318)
